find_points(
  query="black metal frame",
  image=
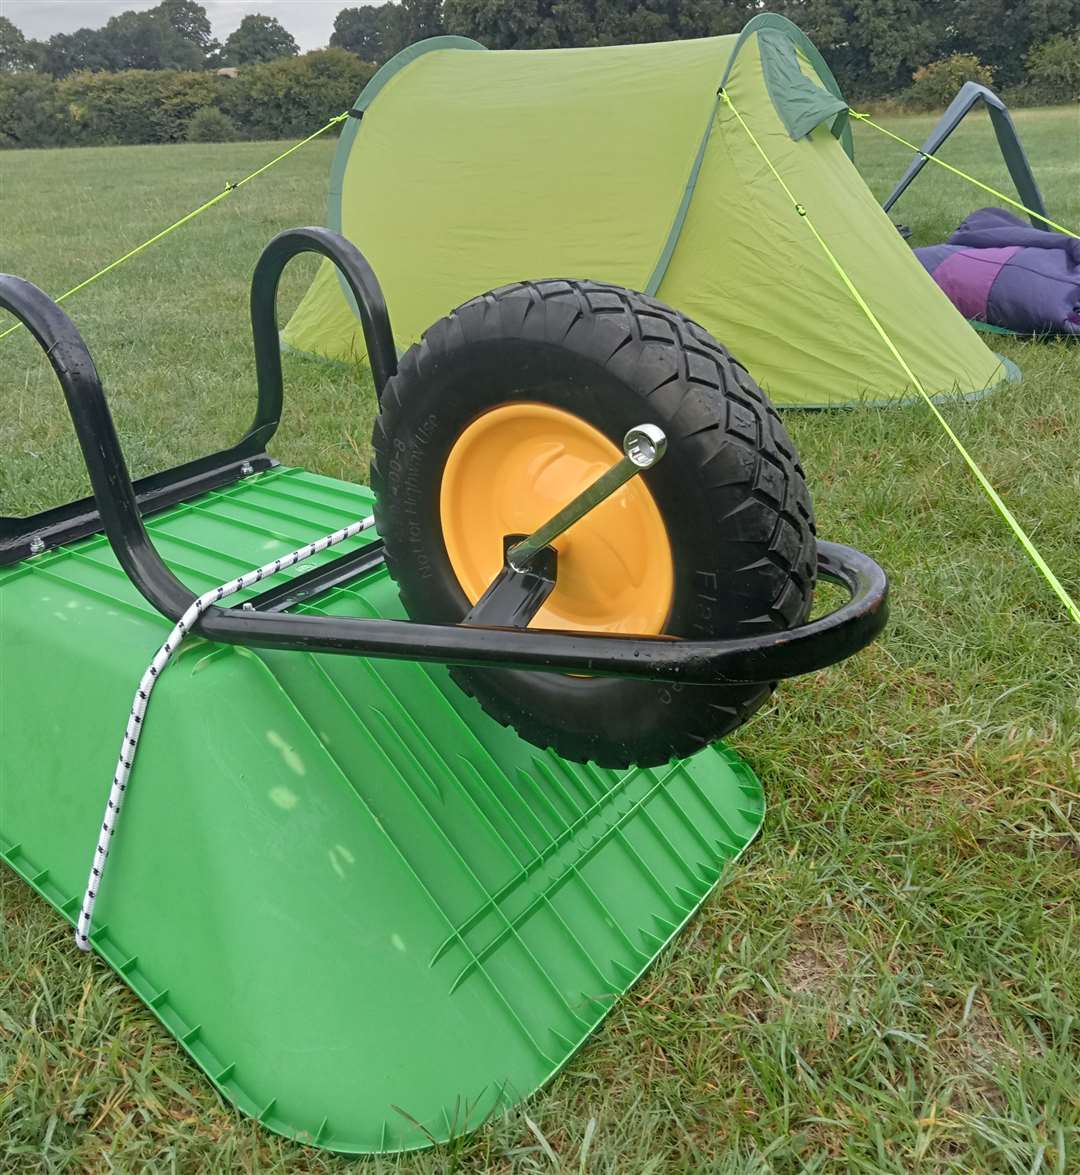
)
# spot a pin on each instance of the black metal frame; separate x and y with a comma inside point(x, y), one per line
point(335, 573)
point(60, 340)
point(515, 595)
point(1008, 141)
point(489, 637)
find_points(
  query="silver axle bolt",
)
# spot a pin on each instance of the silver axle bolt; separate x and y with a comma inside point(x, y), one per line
point(643, 447)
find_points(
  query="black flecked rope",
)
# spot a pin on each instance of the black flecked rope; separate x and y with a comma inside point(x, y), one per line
point(142, 699)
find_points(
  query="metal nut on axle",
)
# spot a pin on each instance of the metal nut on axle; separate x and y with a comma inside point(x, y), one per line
point(645, 445)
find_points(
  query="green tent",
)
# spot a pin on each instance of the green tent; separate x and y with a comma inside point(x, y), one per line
point(465, 169)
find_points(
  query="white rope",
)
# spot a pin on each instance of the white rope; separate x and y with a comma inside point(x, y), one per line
point(142, 699)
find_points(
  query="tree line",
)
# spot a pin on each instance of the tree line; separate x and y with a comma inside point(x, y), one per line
point(176, 34)
point(875, 47)
point(74, 88)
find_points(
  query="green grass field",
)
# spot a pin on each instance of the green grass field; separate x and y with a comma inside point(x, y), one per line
point(890, 979)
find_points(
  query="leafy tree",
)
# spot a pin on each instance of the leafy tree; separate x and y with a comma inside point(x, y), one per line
point(1002, 32)
point(360, 30)
point(189, 20)
point(209, 125)
point(517, 24)
point(936, 85)
point(395, 28)
point(258, 38)
point(538, 24)
point(873, 46)
point(292, 96)
point(1054, 69)
point(32, 113)
point(376, 32)
point(288, 97)
point(146, 40)
point(174, 35)
point(424, 18)
point(15, 55)
point(84, 49)
point(135, 105)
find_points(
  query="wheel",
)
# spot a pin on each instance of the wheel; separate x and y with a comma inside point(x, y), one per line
point(513, 404)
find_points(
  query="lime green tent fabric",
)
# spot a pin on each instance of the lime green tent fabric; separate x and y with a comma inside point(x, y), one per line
point(472, 168)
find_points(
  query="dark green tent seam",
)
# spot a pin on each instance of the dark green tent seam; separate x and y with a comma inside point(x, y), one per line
point(759, 23)
point(666, 253)
point(384, 74)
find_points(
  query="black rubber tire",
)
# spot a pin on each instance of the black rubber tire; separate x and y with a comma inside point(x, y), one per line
point(730, 490)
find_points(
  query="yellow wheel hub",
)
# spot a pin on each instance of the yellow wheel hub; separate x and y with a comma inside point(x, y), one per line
point(511, 470)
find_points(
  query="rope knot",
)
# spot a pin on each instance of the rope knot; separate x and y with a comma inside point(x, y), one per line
point(800, 209)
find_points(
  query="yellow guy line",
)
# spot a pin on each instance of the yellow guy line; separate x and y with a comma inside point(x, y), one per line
point(991, 493)
point(229, 188)
point(964, 175)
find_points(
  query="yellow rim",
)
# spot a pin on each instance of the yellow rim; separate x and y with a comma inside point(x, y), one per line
point(510, 471)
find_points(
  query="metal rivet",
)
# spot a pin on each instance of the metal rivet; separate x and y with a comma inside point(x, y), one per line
point(247, 469)
point(37, 545)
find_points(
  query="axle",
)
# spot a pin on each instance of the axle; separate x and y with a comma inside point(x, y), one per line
point(643, 447)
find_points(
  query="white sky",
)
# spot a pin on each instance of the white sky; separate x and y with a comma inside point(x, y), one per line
point(309, 21)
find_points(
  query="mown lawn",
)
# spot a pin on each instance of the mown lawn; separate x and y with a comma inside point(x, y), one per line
point(890, 979)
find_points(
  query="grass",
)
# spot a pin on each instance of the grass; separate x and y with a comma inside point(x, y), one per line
point(890, 980)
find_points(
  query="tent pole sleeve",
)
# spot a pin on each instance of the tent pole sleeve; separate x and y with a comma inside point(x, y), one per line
point(666, 253)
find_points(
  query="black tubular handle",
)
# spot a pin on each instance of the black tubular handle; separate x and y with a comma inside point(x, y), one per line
point(361, 279)
point(117, 506)
point(114, 494)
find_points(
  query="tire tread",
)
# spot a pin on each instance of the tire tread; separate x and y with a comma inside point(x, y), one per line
point(715, 402)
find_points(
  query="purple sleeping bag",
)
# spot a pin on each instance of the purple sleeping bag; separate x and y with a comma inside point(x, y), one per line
point(999, 270)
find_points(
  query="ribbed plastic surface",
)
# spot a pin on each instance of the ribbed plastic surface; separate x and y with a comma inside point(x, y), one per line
point(356, 901)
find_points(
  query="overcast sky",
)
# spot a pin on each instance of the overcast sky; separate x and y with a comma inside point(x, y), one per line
point(309, 21)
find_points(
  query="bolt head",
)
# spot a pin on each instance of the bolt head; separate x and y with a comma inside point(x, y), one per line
point(645, 445)
point(37, 545)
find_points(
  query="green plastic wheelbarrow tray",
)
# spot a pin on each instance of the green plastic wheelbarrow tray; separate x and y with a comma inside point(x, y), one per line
point(372, 915)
